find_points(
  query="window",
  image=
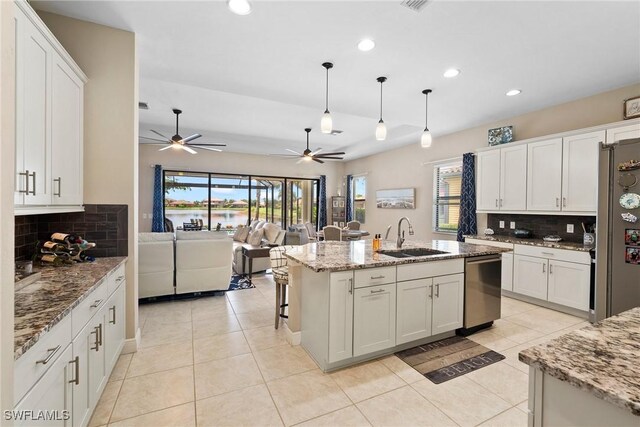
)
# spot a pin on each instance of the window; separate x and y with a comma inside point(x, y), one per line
point(447, 183)
point(359, 198)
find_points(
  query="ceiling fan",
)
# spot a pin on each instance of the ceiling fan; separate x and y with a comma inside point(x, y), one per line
point(178, 142)
point(308, 155)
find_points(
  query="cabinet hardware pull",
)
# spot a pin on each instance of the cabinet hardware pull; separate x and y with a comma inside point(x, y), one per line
point(97, 343)
point(26, 176)
point(377, 291)
point(430, 291)
point(96, 303)
point(550, 268)
point(100, 333)
point(47, 359)
point(548, 253)
point(59, 181)
point(377, 277)
point(544, 268)
point(496, 203)
point(564, 202)
point(500, 202)
point(113, 310)
point(351, 286)
point(33, 190)
point(438, 290)
point(76, 362)
point(557, 202)
point(119, 279)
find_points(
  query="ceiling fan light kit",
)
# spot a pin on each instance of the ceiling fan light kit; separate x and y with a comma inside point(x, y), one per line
point(381, 128)
point(326, 124)
point(426, 139)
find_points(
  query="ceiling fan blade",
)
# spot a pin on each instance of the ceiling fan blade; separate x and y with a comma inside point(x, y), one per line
point(294, 152)
point(337, 153)
point(153, 139)
point(207, 148)
point(159, 134)
point(166, 148)
point(316, 152)
point(317, 160)
point(209, 145)
point(191, 138)
point(287, 156)
point(187, 149)
point(155, 143)
point(330, 158)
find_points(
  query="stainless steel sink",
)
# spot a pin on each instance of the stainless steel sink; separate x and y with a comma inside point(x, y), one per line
point(412, 252)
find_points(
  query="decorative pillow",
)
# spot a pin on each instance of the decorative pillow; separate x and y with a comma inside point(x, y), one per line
point(260, 224)
point(271, 232)
point(241, 234)
point(255, 238)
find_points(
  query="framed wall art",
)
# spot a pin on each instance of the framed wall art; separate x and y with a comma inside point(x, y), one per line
point(400, 198)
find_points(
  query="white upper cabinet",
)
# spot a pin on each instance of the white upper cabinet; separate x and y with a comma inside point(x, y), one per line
point(544, 175)
point(623, 132)
point(49, 120)
point(488, 180)
point(579, 171)
point(513, 180)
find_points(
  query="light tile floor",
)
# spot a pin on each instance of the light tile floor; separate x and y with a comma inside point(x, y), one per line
point(218, 361)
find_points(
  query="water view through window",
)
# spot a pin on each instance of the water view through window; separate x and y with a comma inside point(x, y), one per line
point(233, 200)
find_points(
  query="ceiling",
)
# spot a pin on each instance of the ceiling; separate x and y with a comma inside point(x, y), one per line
point(256, 81)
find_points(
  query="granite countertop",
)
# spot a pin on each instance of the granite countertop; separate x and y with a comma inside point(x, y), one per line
point(42, 304)
point(532, 242)
point(341, 256)
point(601, 359)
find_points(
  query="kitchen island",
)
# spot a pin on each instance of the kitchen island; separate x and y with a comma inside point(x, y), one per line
point(349, 304)
point(588, 377)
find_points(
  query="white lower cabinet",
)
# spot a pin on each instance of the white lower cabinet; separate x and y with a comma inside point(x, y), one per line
point(448, 303)
point(340, 316)
point(374, 319)
point(114, 327)
point(567, 284)
point(414, 307)
point(530, 276)
point(506, 277)
point(52, 394)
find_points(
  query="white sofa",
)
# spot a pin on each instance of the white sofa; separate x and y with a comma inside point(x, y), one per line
point(203, 261)
point(155, 264)
point(272, 235)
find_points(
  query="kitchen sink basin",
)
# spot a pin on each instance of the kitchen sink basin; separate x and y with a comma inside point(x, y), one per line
point(412, 252)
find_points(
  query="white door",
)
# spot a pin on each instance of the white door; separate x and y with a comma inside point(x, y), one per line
point(580, 171)
point(488, 180)
point(623, 132)
point(513, 178)
point(33, 56)
point(448, 303)
point(569, 284)
point(544, 175)
point(114, 327)
point(413, 310)
point(530, 276)
point(340, 316)
point(374, 319)
point(51, 393)
point(66, 134)
point(507, 271)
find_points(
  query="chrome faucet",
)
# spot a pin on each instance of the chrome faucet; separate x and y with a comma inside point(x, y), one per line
point(400, 239)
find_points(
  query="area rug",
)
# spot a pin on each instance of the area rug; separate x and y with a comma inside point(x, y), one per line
point(450, 358)
point(239, 281)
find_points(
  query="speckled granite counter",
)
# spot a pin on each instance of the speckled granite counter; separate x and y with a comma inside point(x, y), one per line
point(341, 256)
point(41, 305)
point(601, 359)
point(533, 242)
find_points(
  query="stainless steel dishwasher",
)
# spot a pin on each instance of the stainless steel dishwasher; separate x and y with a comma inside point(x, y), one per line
point(482, 292)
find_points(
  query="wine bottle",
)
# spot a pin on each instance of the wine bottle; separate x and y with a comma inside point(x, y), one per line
point(53, 259)
point(65, 238)
point(53, 246)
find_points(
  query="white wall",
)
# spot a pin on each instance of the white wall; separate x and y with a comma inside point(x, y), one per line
point(7, 171)
point(401, 168)
point(108, 58)
point(206, 161)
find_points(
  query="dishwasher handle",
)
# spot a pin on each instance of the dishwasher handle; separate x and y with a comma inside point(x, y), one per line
point(484, 259)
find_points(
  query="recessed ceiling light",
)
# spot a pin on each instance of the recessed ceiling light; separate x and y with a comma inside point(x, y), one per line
point(451, 72)
point(239, 7)
point(366, 45)
point(514, 92)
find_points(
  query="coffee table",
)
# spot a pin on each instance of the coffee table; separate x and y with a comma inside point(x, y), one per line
point(249, 254)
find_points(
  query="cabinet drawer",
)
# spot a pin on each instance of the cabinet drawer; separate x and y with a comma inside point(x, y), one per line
point(374, 276)
point(579, 257)
point(421, 270)
point(38, 359)
point(88, 307)
point(115, 279)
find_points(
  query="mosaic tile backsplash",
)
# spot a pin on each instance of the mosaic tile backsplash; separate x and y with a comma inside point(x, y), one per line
point(541, 225)
point(106, 225)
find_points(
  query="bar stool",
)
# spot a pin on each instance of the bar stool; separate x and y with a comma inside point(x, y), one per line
point(280, 272)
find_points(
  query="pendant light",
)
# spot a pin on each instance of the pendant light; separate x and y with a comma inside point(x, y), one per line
point(326, 124)
point(381, 129)
point(426, 139)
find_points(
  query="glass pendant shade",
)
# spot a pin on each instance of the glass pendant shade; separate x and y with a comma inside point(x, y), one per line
point(326, 124)
point(381, 131)
point(426, 139)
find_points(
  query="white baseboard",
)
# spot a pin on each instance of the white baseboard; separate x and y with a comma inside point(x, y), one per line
point(131, 345)
point(293, 338)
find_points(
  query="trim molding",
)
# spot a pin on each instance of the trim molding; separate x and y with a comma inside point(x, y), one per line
point(131, 345)
point(293, 338)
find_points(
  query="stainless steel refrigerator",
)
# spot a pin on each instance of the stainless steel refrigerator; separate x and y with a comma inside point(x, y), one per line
point(617, 273)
